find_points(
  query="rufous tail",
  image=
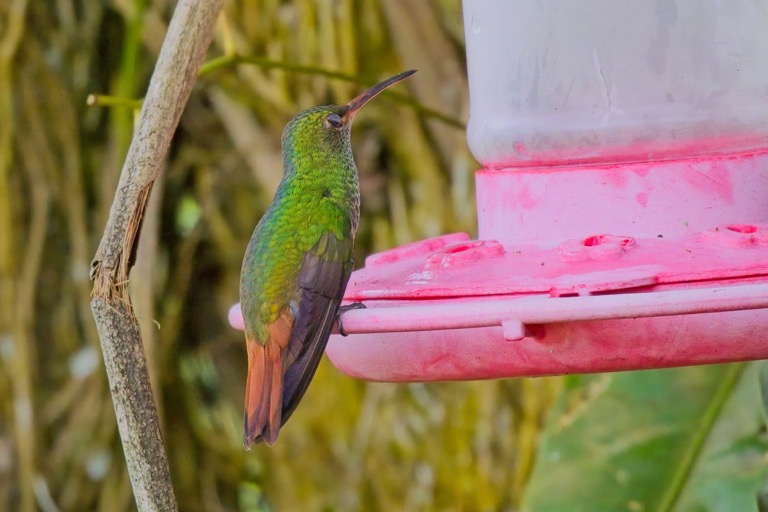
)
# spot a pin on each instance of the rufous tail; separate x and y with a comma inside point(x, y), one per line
point(263, 393)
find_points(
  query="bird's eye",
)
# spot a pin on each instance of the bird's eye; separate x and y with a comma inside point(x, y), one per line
point(334, 120)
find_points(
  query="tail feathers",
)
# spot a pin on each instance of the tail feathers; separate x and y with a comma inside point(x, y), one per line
point(263, 393)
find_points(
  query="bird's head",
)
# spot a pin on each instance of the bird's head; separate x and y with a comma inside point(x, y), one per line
point(328, 127)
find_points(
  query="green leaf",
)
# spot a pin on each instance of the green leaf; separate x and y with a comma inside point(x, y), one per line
point(682, 440)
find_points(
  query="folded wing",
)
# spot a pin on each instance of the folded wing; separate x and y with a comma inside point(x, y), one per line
point(322, 279)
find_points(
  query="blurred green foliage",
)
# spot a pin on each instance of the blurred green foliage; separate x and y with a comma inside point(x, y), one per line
point(351, 445)
point(675, 440)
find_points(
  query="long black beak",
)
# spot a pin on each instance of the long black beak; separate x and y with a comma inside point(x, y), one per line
point(366, 96)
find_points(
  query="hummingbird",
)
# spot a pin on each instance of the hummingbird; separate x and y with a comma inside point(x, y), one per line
point(298, 262)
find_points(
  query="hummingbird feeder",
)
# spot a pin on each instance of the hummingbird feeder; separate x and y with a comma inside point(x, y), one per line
point(622, 203)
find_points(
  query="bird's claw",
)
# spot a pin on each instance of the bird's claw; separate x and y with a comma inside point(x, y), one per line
point(344, 309)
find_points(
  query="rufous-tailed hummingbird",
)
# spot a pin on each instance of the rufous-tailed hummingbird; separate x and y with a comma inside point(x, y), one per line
point(298, 262)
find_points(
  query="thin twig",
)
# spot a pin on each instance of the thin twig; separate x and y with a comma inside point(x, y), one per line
point(100, 100)
point(104, 100)
point(189, 34)
point(265, 63)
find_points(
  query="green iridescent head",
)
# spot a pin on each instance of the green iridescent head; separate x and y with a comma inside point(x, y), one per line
point(328, 127)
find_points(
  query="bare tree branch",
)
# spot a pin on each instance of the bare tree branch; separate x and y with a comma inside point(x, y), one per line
point(189, 34)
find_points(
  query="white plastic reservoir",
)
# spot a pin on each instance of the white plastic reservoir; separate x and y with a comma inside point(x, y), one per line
point(554, 82)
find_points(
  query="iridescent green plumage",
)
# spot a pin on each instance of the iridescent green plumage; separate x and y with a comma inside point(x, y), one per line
point(319, 194)
point(298, 262)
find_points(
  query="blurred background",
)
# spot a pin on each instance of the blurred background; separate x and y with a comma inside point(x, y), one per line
point(351, 445)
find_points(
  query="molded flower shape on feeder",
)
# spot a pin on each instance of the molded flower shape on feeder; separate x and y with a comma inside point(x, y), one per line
point(598, 247)
point(738, 236)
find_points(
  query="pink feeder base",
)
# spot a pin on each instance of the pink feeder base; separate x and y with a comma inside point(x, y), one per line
point(577, 270)
point(553, 349)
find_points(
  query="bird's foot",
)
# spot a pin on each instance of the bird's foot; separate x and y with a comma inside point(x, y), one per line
point(344, 309)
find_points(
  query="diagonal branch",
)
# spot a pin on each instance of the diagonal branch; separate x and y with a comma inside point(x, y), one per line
point(189, 34)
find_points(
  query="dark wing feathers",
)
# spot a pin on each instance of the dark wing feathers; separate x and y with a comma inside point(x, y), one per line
point(322, 278)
